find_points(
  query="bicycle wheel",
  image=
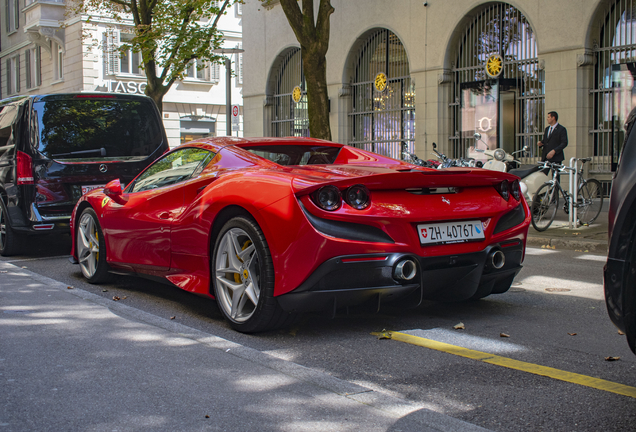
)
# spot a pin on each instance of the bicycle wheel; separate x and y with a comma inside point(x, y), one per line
point(590, 201)
point(544, 206)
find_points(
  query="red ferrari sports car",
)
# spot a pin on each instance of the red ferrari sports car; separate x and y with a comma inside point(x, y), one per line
point(271, 227)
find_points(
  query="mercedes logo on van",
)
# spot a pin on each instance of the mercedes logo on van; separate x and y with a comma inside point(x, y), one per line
point(103, 168)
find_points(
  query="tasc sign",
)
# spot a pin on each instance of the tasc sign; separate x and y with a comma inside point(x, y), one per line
point(125, 86)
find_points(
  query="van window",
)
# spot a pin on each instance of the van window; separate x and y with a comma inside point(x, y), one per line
point(85, 129)
point(8, 116)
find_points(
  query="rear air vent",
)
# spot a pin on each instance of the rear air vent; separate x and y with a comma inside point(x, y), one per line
point(433, 191)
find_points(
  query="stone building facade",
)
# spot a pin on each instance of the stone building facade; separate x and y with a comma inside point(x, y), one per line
point(42, 50)
point(570, 56)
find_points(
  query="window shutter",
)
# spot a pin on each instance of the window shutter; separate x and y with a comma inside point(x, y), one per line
point(27, 60)
point(111, 53)
point(9, 76)
point(7, 15)
point(17, 13)
point(239, 66)
point(215, 72)
point(38, 66)
point(17, 73)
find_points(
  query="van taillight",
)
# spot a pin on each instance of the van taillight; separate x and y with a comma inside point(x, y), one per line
point(25, 169)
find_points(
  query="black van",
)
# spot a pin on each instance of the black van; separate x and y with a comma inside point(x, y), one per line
point(55, 148)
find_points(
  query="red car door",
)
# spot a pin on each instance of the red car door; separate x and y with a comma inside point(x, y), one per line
point(138, 232)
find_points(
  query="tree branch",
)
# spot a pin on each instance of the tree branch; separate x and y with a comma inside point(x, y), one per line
point(295, 18)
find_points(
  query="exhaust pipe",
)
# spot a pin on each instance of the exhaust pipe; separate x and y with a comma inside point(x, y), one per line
point(405, 270)
point(497, 259)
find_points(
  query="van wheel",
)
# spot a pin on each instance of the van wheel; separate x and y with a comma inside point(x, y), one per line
point(9, 240)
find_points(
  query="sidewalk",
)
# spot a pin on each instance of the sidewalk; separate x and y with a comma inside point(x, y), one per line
point(591, 238)
point(71, 360)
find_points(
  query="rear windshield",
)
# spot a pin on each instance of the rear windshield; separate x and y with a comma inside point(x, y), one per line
point(98, 129)
point(296, 154)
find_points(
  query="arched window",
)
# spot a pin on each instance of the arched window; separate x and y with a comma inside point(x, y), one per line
point(288, 117)
point(613, 92)
point(504, 104)
point(383, 93)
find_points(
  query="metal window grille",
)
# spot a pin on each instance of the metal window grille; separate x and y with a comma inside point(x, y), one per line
point(616, 46)
point(383, 121)
point(290, 118)
point(504, 30)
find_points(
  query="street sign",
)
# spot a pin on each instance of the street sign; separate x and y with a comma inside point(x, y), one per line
point(235, 118)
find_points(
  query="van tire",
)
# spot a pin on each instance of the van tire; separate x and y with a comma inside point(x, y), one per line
point(10, 241)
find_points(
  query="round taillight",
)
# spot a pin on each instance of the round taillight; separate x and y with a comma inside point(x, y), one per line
point(504, 190)
point(358, 197)
point(516, 190)
point(328, 198)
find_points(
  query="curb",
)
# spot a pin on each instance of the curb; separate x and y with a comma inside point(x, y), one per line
point(587, 245)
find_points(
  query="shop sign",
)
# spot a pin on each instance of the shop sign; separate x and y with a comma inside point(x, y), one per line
point(126, 86)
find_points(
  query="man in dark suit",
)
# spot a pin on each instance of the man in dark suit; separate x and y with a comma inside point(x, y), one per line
point(555, 139)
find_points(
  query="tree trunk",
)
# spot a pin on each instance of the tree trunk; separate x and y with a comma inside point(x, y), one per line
point(315, 68)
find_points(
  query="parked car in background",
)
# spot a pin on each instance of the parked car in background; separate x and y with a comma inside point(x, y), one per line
point(620, 269)
point(55, 148)
point(274, 227)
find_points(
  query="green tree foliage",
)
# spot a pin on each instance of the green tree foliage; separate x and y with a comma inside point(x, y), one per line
point(312, 32)
point(168, 34)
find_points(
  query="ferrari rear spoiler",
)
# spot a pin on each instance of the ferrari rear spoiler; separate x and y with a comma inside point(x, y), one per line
point(453, 177)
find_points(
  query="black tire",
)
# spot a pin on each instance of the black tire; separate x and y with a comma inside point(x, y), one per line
point(544, 206)
point(10, 241)
point(590, 201)
point(244, 286)
point(90, 247)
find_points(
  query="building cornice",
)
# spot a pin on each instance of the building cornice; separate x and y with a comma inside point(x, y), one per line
point(14, 48)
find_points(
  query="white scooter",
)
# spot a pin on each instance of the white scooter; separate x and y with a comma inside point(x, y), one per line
point(531, 176)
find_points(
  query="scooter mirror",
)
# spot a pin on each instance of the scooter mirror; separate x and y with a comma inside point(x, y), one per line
point(477, 136)
point(525, 148)
point(434, 145)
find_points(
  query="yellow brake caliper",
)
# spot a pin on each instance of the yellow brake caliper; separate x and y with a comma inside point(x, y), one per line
point(237, 276)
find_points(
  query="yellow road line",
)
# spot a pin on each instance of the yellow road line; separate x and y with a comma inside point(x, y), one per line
point(558, 374)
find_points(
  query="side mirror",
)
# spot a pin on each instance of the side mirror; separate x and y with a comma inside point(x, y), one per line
point(434, 145)
point(477, 136)
point(113, 191)
point(525, 148)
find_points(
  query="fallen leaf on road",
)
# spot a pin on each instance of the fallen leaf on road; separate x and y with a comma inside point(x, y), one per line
point(124, 297)
point(172, 317)
point(207, 416)
point(384, 334)
point(503, 335)
point(459, 326)
point(612, 358)
point(104, 290)
point(69, 287)
point(572, 334)
point(621, 333)
point(24, 266)
point(116, 298)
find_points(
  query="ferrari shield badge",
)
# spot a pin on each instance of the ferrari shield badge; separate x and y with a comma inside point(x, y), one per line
point(494, 65)
point(105, 201)
point(380, 82)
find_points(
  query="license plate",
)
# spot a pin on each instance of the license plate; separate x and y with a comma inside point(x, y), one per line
point(450, 232)
point(86, 189)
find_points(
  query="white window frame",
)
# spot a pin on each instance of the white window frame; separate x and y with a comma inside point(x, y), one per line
point(193, 73)
point(130, 59)
point(13, 74)
point(33, 62)
point(58, 61)
point(239, 9)
point(113, 59)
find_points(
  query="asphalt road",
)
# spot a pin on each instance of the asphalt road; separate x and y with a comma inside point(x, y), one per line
point(554, 316)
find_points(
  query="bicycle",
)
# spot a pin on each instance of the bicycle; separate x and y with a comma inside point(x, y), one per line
point(546, 201)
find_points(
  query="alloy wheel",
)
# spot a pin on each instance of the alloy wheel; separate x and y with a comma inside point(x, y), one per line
point(237, 273)
point(88, 245)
